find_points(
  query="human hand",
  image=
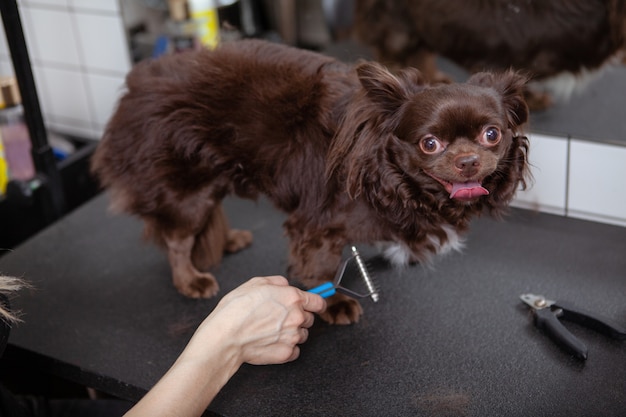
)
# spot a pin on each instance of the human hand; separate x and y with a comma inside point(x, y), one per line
point(260, 322)
point(265, 319)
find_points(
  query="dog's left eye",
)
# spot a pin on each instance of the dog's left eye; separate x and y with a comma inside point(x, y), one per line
point(491, 136)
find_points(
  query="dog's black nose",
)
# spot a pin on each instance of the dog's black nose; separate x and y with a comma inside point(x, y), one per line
point(467, 164)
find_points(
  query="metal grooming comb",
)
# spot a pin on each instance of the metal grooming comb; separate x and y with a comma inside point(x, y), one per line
point(329, 288)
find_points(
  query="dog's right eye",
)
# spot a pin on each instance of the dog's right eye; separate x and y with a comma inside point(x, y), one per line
point(430, 145)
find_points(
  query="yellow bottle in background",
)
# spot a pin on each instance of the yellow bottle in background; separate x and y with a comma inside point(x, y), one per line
point(4, 170)
point(204, 14)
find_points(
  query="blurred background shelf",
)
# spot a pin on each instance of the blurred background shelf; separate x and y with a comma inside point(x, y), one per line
point(22, 210)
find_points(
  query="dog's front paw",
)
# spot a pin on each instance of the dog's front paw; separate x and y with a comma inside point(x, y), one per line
point(342, 309)
point(238, 240)
point(202, 285)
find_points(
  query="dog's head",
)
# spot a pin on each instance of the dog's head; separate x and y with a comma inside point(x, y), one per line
point(405, 144)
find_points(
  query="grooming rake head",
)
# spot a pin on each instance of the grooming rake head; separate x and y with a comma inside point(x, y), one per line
point(370, 290)
point(366, 285)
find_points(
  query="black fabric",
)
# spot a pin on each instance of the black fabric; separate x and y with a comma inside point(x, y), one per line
point(13, 406)
point(31, 406)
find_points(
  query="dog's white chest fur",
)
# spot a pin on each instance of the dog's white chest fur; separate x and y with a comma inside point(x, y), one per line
point(399, 254)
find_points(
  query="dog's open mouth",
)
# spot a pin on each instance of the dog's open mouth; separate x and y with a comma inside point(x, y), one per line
point(464, 191)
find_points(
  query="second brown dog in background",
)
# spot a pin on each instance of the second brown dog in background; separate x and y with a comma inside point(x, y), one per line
point(544, 39)
point(351, 154)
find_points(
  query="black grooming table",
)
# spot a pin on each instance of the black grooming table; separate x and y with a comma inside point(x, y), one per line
point(454, 340)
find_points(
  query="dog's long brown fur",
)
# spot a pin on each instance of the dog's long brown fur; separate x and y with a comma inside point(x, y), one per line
point(351, 154)
point(542, 38)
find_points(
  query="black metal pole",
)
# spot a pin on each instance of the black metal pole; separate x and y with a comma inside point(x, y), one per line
point(43, 156)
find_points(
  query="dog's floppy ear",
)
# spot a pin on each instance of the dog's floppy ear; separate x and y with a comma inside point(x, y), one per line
point(510, 85)
point(368, 124)
point(386, 89)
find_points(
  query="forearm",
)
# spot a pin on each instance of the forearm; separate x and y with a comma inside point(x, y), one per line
point(191, 383)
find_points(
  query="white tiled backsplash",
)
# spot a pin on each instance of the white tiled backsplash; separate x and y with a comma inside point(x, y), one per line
point(80, 57)
point(547, 190)
point(577, 178)
point(79, 54)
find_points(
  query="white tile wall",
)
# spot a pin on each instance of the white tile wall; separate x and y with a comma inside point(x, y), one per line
point(44, 3)
point(547, 191)
point(79, 54)
point(577, 178)
point(50, 37)
point(66, 99)
point(102, 42)
point(6, 67)
point(108, 89)
point(597, 182)
point(95, 5)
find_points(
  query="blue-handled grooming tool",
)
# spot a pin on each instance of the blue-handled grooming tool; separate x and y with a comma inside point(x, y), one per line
point(328, 289)
point(325, 290)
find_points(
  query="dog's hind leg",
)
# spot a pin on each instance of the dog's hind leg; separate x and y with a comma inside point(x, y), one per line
point(190, 253)
point(237, 240)
point(186, 278)
point(216, 238)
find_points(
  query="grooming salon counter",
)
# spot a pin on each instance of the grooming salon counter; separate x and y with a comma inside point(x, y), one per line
point(454, 340)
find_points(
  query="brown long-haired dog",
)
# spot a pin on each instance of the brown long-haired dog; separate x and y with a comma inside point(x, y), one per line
point(352, 154)
point(544, 39)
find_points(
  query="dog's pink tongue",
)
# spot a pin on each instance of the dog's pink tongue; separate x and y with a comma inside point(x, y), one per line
point(467, 190)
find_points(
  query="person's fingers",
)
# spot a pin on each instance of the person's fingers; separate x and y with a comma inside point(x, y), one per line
point(294, 354)
point(304, 335)
point(308, 321)
point(313, 302)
